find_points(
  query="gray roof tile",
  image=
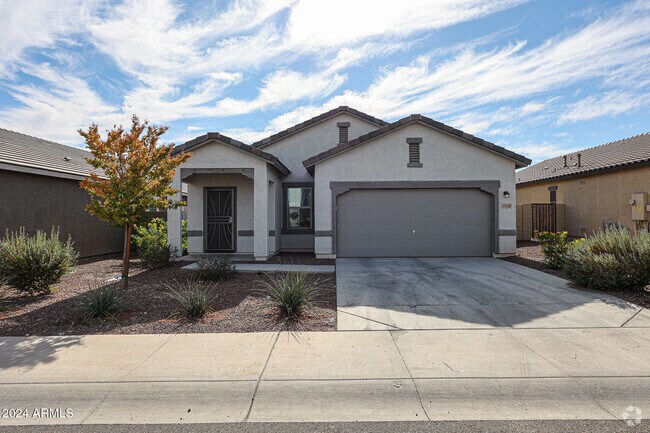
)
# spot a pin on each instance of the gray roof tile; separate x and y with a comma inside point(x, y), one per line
point(23, 150)
point(628, 151)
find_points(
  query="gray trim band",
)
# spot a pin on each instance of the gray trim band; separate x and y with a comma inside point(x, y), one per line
point(507, 232)
point(414, 165)
point(245, 233)
point(194, 233)
point(41, 171)
point(414, 140)
point(323, 233)
point(488, 186)
point(343, 124)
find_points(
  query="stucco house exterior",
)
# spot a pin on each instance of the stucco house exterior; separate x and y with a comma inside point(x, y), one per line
point(595, 188)
point(346, 184)
point(39, 189)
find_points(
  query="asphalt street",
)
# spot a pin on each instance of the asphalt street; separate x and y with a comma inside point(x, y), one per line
point(361, 427)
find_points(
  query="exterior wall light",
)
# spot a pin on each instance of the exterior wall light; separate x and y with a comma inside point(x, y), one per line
point(506, 194)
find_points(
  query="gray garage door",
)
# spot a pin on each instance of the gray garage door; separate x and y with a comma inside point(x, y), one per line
point(414, 223)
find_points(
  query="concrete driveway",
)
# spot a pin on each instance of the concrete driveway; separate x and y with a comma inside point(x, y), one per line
point(459, 293)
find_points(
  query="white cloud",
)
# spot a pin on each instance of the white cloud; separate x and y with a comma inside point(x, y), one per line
point(280, 87)
point(37, 24)
point(608, 104)
point(540, 151)
point(55, 111)
point(184, 64)
point(620, 43)
point(336, 22)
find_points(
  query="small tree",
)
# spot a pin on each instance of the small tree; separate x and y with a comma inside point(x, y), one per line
point(137, 173)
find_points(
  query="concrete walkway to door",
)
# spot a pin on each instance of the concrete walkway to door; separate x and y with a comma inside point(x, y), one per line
point(468, 293)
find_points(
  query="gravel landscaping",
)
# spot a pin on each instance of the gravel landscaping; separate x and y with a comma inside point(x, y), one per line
point(530, 254)
point(148, 308)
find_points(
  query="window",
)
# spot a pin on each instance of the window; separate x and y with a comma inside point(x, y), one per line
point(553, 196)
point(414, 152)
point(299, 210)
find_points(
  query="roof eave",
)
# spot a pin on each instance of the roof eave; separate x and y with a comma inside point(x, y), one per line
point(519, 160)
point(218, 137)
point(585, 173)
point(274, 138)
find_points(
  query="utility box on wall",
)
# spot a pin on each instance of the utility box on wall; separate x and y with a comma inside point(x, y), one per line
point(639, 202)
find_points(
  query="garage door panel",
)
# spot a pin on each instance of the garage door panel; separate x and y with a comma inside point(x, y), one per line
point(447, 223)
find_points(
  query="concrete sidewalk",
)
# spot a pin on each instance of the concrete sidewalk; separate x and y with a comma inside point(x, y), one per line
point(487, 374)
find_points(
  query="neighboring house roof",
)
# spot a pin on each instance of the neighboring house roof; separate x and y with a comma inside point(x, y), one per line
point(520, 160)
point(621, 153)
point(198, 141)
point(321, 117)
point(20, 152)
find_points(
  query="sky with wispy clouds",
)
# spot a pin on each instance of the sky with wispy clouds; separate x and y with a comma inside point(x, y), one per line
point(539, 77)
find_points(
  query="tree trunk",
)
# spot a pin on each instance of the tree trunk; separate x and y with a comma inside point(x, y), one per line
point(126, 257)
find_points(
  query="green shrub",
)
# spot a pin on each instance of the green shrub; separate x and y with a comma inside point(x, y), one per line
point(215, 268)
point(151, 240)
point(611, 260)
point(195, 298)
point(34, 263)
point(554, 246)
point(291, 292)
point(101, 301)
point(184, 237)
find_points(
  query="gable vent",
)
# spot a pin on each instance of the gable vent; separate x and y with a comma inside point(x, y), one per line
point(414, 151)
point(343, 131)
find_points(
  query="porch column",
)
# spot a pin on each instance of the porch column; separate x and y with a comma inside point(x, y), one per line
point(174, 216)
point(260, 213)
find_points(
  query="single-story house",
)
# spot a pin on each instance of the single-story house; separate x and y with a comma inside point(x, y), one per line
point(39, 189)
point(595, 188)
point(346, 184)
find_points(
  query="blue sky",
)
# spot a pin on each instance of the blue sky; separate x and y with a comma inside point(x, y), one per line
point(539, 77)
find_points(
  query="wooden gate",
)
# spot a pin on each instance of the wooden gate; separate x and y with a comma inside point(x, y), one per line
point(544, 217)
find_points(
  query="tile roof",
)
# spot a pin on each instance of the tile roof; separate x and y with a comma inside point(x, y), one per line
point(271, 159)
point(520, 160)
point(324, 116)
point(628, 151)
point(24, 151)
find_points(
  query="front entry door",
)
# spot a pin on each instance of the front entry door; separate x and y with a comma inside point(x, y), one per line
point(219, 220)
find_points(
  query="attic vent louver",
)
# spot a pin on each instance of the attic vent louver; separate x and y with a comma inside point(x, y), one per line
point(414, 151)
point(343, 131)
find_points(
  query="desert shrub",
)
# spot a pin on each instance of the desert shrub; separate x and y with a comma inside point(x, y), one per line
point(212, 268)
point(612, 259)
point(195, 298)
point(151, 241)
point(102, 301)
point(35, 263)
point(291, 292)
point(554, 246)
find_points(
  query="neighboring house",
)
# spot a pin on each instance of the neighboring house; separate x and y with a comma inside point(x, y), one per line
point(346, 184)
point(596, 187)
point(39, 189)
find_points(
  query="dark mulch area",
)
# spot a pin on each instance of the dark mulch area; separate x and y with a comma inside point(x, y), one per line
point(149, 309)
point(294, 259)
point(530, 254)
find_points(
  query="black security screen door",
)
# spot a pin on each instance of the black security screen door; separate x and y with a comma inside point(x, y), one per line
point(219, 219)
